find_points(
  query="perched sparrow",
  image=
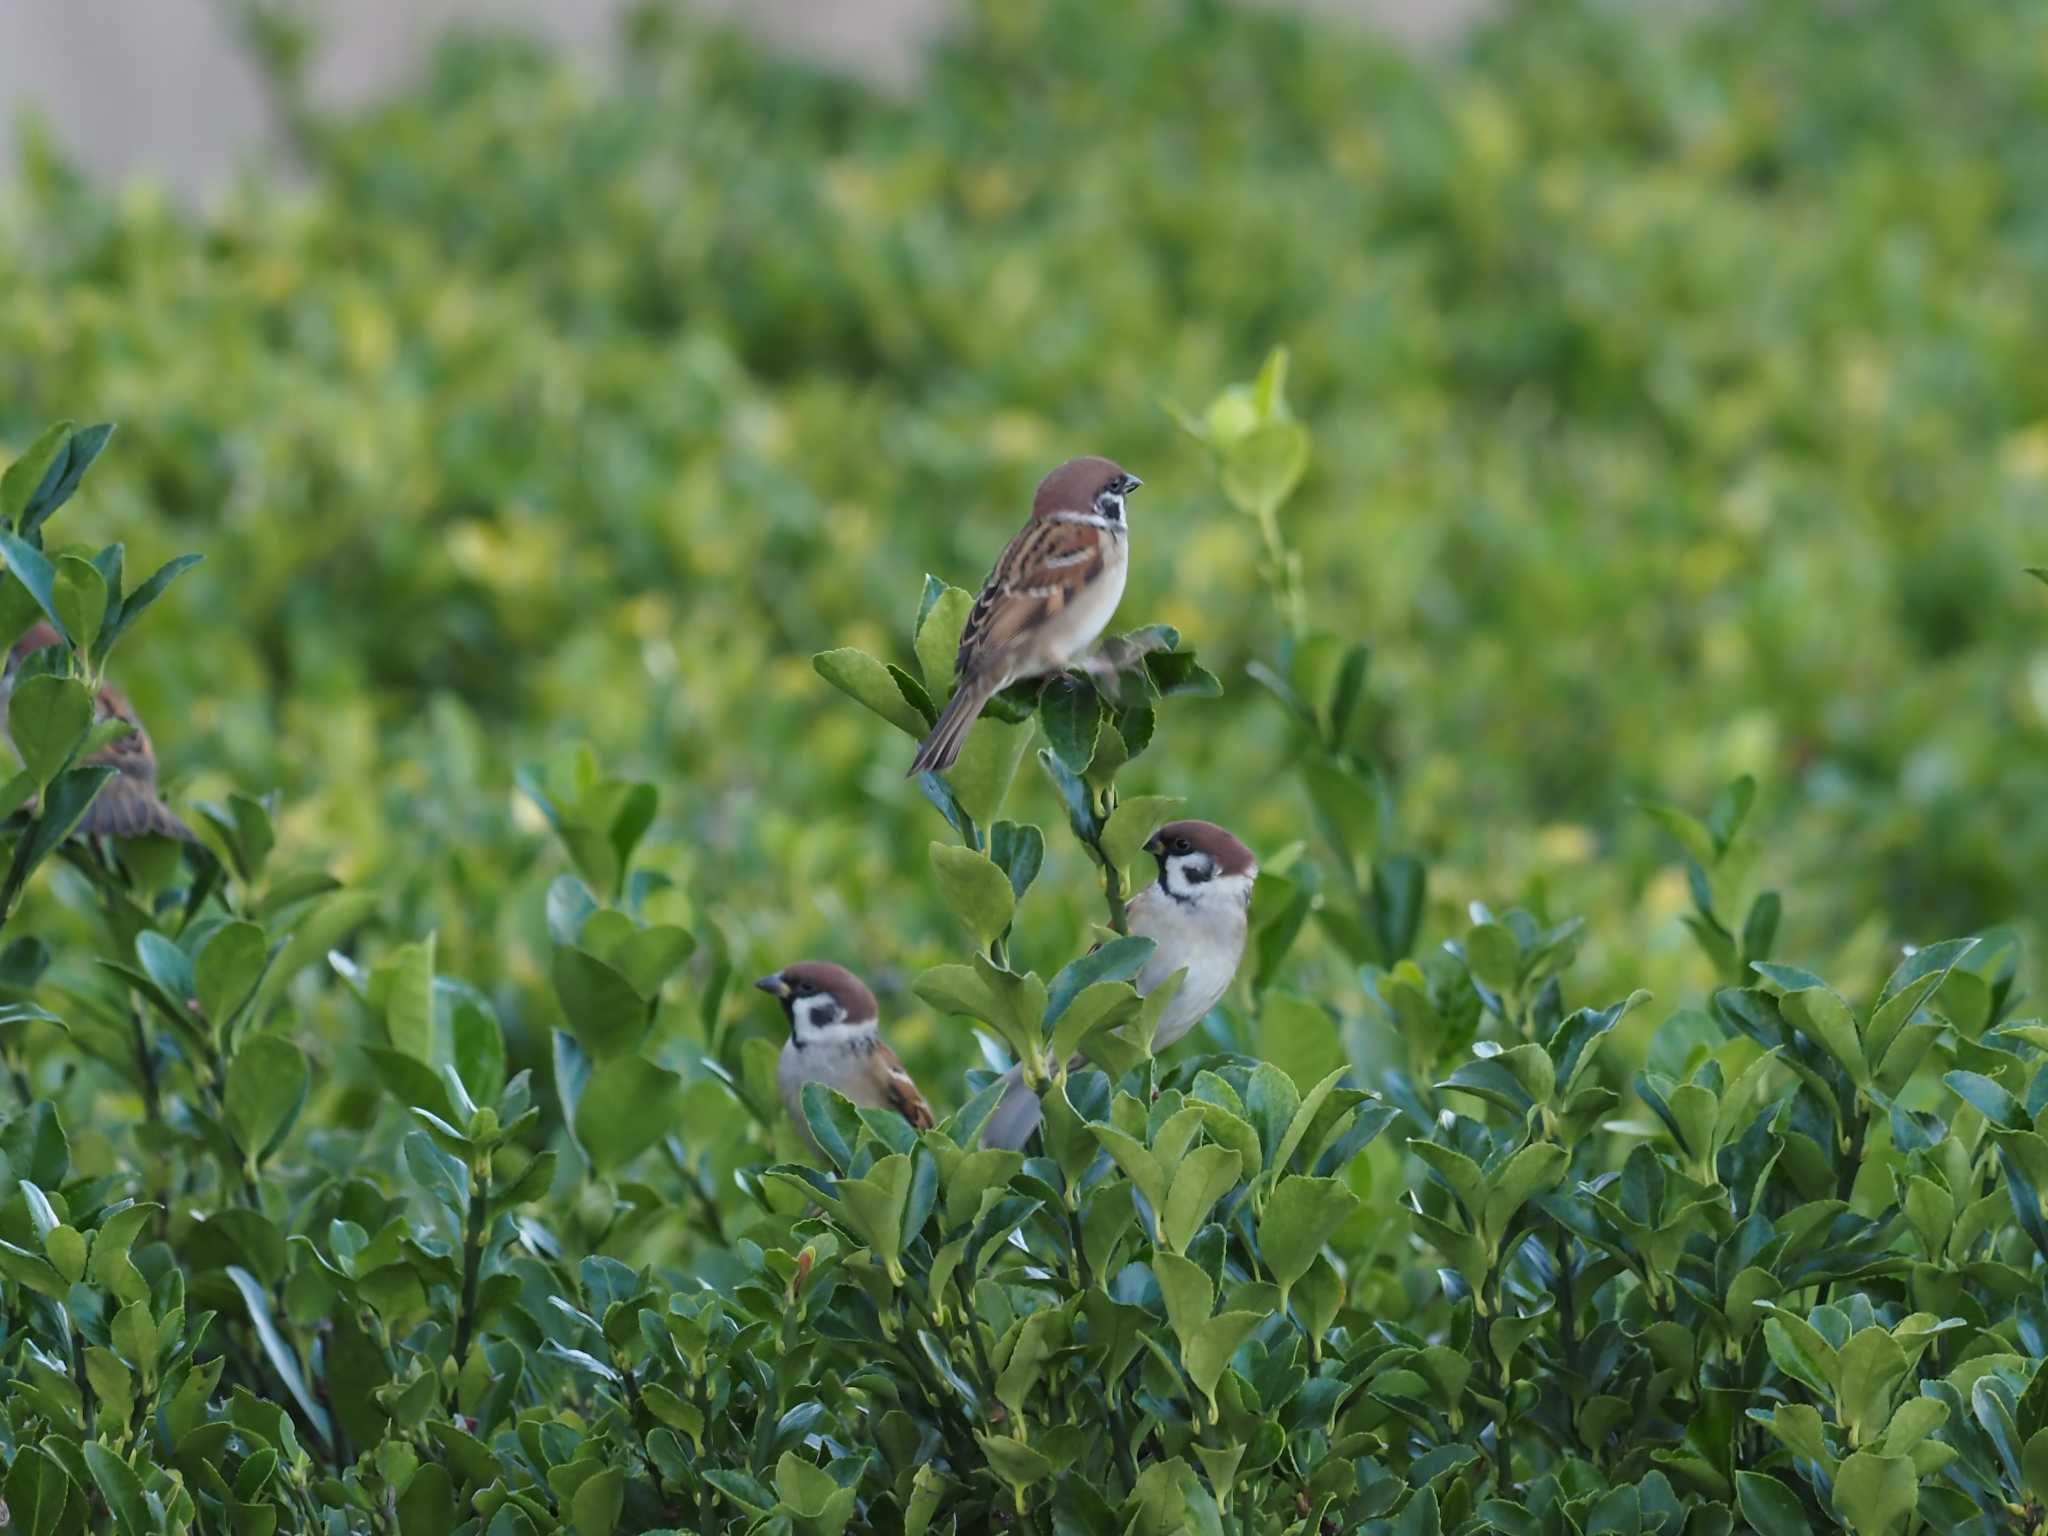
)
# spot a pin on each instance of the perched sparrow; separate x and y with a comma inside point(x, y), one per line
point(1049, 596)
point(128, 806)
point(833, 1040)
point(1196, 915)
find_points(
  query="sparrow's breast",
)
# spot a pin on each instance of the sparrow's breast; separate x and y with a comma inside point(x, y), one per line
point(1071, 631)
point(1206, 939)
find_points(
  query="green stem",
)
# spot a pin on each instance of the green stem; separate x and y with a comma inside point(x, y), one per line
point(472, 1259)
point(1285, 587)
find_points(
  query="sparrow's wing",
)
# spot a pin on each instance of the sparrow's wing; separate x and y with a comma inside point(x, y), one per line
point(897, 1090)
point(1043, 569)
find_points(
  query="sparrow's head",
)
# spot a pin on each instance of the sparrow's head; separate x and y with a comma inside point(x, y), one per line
point(1200, 862)
point(823, 1001)
point(1085, 485)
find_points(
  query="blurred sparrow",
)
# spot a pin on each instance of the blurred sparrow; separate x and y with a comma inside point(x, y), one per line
point(1195, 913)
point(833, 1040)
point(1050, 595)
point(128, 805)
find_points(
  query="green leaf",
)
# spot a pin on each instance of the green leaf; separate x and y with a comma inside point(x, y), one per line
point(1870, 1367)
point(1301, 1215)
point(875, 1208)
point(1131, 825)
point(28, 473)
point(228, 968)
point(139, 602)
point(70, 796)
point(1016, 1463)
point(607, 1016)
point(1801, 1353)
point(1821, 1014)
point(1204, 1176)
point(627, 1105)
point(1876, 1495)
point(1120, 959)
point(282, 1358)
point(1136, 1160)
point(944, 615)
point(1205, 1356)
point(404, 989)
point(1186, 1289)
point(32, 567)
point(60, 481)
point(975, 890)
point(48, 716)
point(36, 1490)
point(427, 1507)
point(1988, 1099)
point(1071, 712)
point(1299, 1037)
point(80, 594)
point(121, 1488)
point(267, 1085)
point(1769, 1506)
point(866, 680)
point(594, 1508)
point(982, 778)
point(1494, 957)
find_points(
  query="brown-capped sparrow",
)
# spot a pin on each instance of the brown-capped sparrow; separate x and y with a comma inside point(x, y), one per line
point(833, 1040)
point(1051, 593)
point(128, 805)
point(1196, 915)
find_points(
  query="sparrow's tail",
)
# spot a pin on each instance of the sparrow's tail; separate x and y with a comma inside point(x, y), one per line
point(126, 808)
point(1016, 1117)
point(941, 749)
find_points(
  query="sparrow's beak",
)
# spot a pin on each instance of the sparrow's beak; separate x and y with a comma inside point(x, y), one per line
point(1131, 483)
point(1154, 846)
point(775, 986)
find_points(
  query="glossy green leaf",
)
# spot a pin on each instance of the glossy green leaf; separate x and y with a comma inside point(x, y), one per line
point(47, 718)
point(626, 1106)
point(1876, 1495)
point(1300, 1216)
point(974, 890)
point(267, 1085)
point(866, 680)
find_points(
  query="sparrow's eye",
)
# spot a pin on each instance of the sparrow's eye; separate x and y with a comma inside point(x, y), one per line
point(1182, 845)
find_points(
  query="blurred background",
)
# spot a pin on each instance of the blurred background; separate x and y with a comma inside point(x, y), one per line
point(1674, 376)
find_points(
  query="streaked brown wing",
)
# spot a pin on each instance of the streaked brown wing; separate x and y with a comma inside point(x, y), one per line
point(1037, 576)
point(898, 1091)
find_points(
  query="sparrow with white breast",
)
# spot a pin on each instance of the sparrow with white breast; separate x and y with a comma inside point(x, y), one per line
point(1196, 914)
point(129, 804)
point(833, 1039)
point(1049, 596)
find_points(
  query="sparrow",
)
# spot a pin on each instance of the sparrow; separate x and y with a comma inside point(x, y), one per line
point(128, 805)
point(1196, 913)
point(1051, 593)
point(833, 1040)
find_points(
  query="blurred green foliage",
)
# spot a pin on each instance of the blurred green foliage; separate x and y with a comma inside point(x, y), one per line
point(1675, 389)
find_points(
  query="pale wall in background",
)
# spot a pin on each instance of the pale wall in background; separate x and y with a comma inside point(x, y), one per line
point(158, 88)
